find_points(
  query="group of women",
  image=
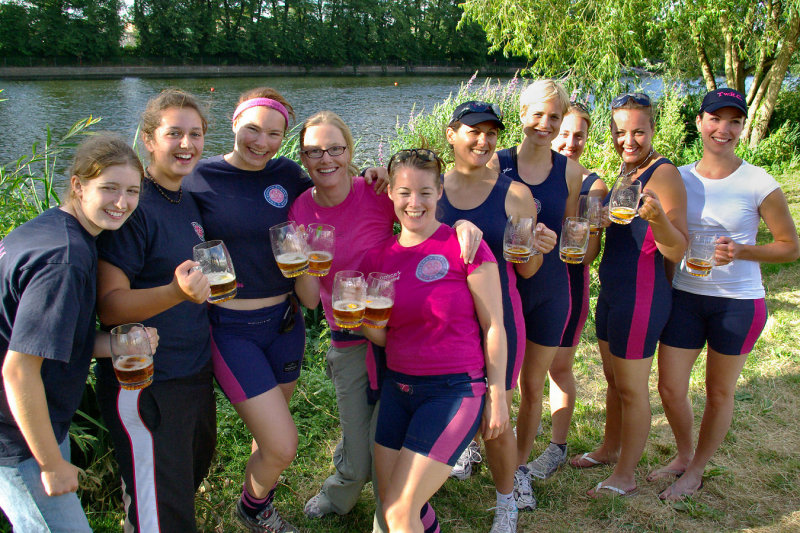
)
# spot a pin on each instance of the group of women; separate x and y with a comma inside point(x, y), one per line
point(467, 326)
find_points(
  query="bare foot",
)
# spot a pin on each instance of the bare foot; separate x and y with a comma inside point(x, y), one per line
point(674, 469)
point(684, 487)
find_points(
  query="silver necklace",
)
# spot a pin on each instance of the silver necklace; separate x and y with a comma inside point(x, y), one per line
point(625, 175)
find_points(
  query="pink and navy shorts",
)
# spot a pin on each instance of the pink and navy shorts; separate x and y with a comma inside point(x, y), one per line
point(730, 326)
point(434, 416)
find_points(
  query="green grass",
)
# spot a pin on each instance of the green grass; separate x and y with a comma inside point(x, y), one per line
point(753, 482)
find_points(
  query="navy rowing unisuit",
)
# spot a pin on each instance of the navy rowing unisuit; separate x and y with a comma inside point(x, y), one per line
point(635, 296)
point(545, 295)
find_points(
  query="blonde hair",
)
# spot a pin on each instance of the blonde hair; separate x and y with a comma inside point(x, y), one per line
point(580, 111)
point(543, 91)
point(332, 119)
point(100, 151)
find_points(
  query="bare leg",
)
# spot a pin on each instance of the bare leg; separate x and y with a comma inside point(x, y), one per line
point(274, 437)
point(531, 386)
point(562, 392)
point(674, 369)
point(501, 454)
point(608, 451)
point(413, 480)
point(722, 372)
point(630, 376)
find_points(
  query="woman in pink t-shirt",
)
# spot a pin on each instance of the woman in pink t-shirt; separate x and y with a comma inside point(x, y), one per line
point(445, 347)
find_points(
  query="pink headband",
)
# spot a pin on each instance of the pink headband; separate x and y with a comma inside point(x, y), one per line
point(265, 102)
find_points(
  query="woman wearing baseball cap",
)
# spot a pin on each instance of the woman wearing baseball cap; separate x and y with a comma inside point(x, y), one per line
point(475, 192)
point(726, 198)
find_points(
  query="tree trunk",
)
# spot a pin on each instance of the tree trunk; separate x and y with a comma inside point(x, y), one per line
point(757, 127)
point(702, 59)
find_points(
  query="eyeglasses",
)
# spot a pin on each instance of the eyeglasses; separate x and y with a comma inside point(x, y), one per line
point(477, 106)
point(317, 153)
point(424, 154)
point(640, 98)
point(288, 319)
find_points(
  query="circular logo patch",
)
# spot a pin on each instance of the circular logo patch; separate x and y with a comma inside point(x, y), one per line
point(276, 196)
point(538, 205)
point(432, 267)
point(199, 230)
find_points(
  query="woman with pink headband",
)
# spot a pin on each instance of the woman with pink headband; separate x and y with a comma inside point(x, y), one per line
point(259, 336)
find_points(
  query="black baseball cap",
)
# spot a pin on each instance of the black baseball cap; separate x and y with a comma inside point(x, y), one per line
point(719, 98)
point(475, 112)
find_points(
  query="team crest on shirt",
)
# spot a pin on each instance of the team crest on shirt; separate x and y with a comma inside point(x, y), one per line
point(276, 196)
point(199, 230)
point(432, 267)
point(538, 205)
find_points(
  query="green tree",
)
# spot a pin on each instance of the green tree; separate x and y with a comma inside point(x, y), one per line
point(15, 24)
point(592, 40)
point(588, 40)
point(758, 38)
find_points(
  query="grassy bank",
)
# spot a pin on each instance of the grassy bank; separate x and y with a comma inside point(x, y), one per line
point(752, 483)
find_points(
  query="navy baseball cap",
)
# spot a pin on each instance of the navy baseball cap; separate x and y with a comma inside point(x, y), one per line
point(724, 97)
point(475, 112)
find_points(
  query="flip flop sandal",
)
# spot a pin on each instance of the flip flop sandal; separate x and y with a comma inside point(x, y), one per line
point(615, 491)
point(586, 457)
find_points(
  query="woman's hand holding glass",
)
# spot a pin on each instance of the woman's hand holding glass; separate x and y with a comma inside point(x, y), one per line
point(726, 250)
point(191, 283)
point(651, 208)
point(545, 239)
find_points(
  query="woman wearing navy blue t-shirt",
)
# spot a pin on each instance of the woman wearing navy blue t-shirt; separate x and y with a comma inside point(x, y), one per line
point(164, 435)
point(48, 268)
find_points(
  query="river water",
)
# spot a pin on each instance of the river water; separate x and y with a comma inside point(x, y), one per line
point(372, 107)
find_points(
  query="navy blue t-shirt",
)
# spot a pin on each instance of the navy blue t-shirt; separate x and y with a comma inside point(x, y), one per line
point(48, 268)
point(157, 238)
point(239, 206)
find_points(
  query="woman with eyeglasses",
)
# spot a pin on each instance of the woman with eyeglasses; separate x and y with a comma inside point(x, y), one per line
point(570, 142)
point(727, 198)
point(554, 181)
point(633, 304)
point(475, 192)
point(445, 348)
point(164, 435)
point(326, 151)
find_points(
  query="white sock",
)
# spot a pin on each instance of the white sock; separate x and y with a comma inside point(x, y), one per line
point(506, 499)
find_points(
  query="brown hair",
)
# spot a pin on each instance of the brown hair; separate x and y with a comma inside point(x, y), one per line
point(631, 104)
point(331, 118)
point(420, 159)
point(267, 92)
point(151, 116)
point(100, 151)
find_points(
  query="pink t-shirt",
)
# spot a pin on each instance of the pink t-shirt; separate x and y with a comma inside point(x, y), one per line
point(433, 328)
point(362, 222)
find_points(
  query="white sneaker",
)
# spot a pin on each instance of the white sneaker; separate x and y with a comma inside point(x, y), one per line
point(523, 492)
point(544, 466)
point(505, 518)
point(470, 456)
